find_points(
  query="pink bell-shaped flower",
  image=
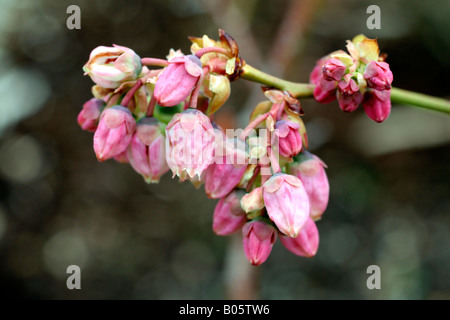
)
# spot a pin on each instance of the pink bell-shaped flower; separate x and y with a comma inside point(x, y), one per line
point(90, 114)
point(325, 90)
point(114, 132)
point(378, 75)
point(259, 238)
point(349, 96)
point(189, 144)
point(286, 203)
point(228, 215)
point(289, 138)
point(307, 242)
point(333, 69)
point(311, 171)
point(220, 179)
point(147, 153)
point(109, 67)
point(177, 80)
point(227, 169)
point(377, 104)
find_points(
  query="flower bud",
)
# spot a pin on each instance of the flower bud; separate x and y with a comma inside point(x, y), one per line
point(177, 80)
point(253, 200)
point(325, 91)
point(307, 242)
point(114, 132)
point(333, 69)
point(221, 178)
point(110, 66)
point(289, 138)
point(147, 150)
point(286, 203)
point(378, 75)
point(311, 171)
point(258, 240)
point(228, 167)
point(220, 89)
point(89, 115)
point(289, 116)
point(189, 144)
point(228, 215)
point(349, 96)
point(377, 104)
point(317, 72)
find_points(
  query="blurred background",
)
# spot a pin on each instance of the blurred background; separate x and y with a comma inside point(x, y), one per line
point(390, 195)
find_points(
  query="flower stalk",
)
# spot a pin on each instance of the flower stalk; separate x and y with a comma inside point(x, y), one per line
point(420, 100)
point(130, 94)
point(154, 62)
point(298, 90)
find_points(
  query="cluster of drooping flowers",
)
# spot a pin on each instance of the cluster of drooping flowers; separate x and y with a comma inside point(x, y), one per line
point(281, 191)
point(158, 116)
point(360, 77)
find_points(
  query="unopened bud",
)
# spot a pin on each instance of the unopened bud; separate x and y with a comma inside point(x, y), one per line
point(325, 91)
point(114, 132)
point(177, 80)
point(147, 150)
point(228, 215)
point(221, 178)
point(333, 69)
point(90, 114)
point(378, 75)
point(349, 95)
point(311, 171)
point(307, 242)
point(289, 138)
point(253, 200)
point(110, 66)
point(377, 104)
point(259, 238)
point(286, 203)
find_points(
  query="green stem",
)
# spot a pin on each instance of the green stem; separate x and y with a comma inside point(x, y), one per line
point(419, 100)
point(305, 90)
point(296, 89)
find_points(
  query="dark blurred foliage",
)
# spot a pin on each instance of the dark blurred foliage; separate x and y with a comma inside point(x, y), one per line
point(389, 204)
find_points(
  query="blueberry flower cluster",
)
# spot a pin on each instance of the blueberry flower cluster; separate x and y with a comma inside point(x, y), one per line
point(283, 190)
point(359, 77)
point(157, 115)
